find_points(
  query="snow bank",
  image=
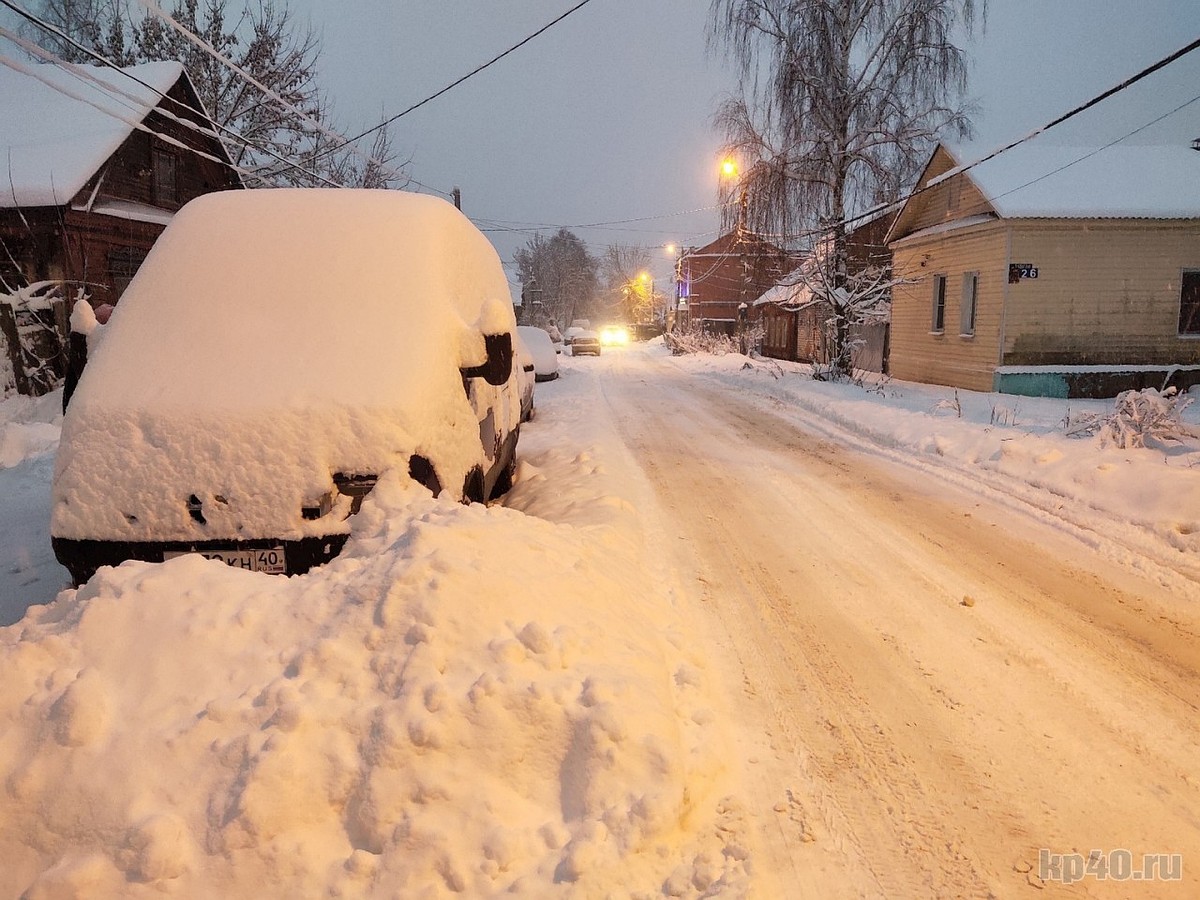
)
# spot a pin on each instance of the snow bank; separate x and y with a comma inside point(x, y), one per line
point(469, 700)
point(1016, 446)
point(29, 427)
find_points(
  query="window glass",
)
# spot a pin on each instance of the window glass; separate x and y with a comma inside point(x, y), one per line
point(1189, 303)
point(970, 286)
point(166, 186)
point(939, 303)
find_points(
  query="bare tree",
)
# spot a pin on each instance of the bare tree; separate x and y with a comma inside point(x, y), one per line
point(626, 292)
point(841, 101)
point(262, 38)
point(564, 271)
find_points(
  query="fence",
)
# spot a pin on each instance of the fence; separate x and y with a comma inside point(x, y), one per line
point(34, 325)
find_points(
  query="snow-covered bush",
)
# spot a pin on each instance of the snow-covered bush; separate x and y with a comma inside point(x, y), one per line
point(696, 340)
point(1137, 416)
point(8, 384)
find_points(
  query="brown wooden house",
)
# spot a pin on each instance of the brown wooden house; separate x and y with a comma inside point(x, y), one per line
point(1058, 271)
point(795, 322)
point(714, 281)
point(97, 162)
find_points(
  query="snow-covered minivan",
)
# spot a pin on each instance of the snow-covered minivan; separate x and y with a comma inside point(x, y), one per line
point(278, 352)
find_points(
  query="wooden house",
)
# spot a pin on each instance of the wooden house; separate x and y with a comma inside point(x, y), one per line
point(795, 323)
point(1052, 271)
point(97, 161)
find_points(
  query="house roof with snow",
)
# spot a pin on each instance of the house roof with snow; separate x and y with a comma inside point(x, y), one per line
point(1035, 180)
point(61, 123)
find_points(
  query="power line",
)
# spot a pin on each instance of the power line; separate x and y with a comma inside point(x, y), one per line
point(47, 26)
point(897, 204)
point(24, 69)
point(196, 40)
point(473, 72)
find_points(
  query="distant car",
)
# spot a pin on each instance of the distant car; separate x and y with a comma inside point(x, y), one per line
point(571, 333)
point(614, 335)
point(539, 344)
point(586, 343)
point(276, 354)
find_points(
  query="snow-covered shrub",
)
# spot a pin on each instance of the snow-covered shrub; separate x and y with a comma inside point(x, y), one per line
point(697, 340)
point(1137, 416)
point(8, 384)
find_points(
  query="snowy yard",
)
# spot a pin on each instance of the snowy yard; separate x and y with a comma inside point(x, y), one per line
point(557, 696)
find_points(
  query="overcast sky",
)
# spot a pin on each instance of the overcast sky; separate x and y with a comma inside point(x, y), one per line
point(606, 116)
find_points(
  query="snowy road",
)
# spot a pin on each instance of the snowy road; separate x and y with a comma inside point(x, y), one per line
point(944, 687)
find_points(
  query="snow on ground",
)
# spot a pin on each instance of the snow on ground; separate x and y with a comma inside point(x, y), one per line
point(484, 700)
point(474, 699)
point(1138, 502)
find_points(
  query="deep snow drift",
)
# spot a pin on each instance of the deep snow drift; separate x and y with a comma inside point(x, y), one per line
point(485, 700)
point(469, 699)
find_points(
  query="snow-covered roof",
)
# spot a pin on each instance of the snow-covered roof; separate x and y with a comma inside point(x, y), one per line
point(271, 338)
point(60, 125)
point(785, 294)
point(1039, 180)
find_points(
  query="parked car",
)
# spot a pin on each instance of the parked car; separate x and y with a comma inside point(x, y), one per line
point(586, 342)
point(545, 357)
point(572, 333)
point(526, 376)
point(276, 354)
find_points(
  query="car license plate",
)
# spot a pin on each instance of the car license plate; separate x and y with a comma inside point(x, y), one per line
point(269, 559)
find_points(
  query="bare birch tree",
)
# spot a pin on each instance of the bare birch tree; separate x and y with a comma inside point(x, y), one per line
point(841, 102)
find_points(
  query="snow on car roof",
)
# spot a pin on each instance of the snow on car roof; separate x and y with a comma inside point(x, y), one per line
point(307, 295)
point(273, 337)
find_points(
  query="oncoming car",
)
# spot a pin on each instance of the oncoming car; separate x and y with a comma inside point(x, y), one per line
point(614, 335)
point(276, 354)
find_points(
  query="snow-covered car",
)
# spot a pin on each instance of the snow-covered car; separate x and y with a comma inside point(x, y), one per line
point(573, 332)
point(541, 346)
point(586, 342)
point(276, 354)
point(525, 377)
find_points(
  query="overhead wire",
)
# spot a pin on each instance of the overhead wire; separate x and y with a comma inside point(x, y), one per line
point(197, 41)
point(1099, 98)
point(458, 81)
point(18, 66)
point(103, 60)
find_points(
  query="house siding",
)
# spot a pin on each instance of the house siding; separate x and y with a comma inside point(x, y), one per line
point(918, 354)
point(1107, 293)
point(953, 199)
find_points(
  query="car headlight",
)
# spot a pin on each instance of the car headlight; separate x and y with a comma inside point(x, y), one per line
point(614, 335)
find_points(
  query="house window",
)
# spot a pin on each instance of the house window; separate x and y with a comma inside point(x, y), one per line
point(970, 285)
point(1189, 302)
point(166, 178)
point(939, 304)
point(123, 264)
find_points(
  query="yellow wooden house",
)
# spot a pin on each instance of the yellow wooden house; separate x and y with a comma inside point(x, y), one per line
point(1050, 271)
